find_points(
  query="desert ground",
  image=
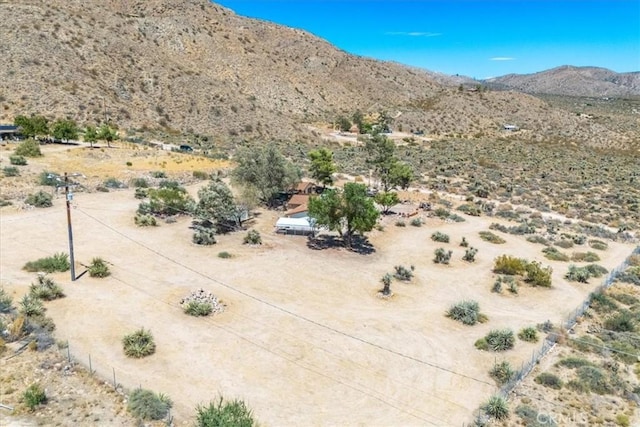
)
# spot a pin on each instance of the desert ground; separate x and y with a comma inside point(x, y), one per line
point(304, 339)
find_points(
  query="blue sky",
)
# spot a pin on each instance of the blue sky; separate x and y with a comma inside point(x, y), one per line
point(476, 38)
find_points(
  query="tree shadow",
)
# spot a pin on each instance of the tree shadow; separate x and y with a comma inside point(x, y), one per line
point(359, 244)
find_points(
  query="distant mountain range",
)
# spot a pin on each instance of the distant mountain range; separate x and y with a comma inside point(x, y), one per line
point(572, 81)
point(194, 67)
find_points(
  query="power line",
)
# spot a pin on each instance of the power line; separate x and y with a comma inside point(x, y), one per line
point(289, 312)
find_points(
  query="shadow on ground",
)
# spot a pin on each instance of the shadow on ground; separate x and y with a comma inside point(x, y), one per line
point(359, 244)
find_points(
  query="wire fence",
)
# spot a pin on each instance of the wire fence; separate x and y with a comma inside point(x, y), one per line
point(550, 341)
point(105, 372)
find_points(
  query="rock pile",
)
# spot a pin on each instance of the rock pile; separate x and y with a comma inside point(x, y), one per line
point(202, 296)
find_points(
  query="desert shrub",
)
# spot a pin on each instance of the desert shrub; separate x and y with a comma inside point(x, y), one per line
point(496, 407)
point(57, 262)
point(10, 171)
point(139, 344)
point(470, 254)
point(197, 308)
point(497, 285)
point(598, 245)
point(158, 174)
point(586, 344)
point(442, 213)
point(499, 227)
point(440, 237)
point(594, 379)
point(625, 298)
point(31, 306)
point(33, 396)
point(224, 255)
point(622, 321)
point(530, 417)
point(141, 193)
point(252, 238)
point(455, 218)
point(502, 372)
point(148, 405)
point(442, 256)
point(529, 334)
point(6, 301)
point(549, 380)
point(18, 160)
point(574, 362)
point(622, 420)
point(224, 414)
point(464, 243)
point(466, 312)
point(145, 220)
point(28, 148)
point(500, 339)
point(201, 175)
point(491, 237)
point(583, 274)
point(536, 238)
point(538, 275)
point(585, 257)
point(554, 254)
point(416, 222)
point(46, 289)
point(470, 209)
point(401, 223)
point(481, 344)
point(113, 183)
point(40, 199)
point(204, 236)
point(630, 275)
point(166, 201)
point(506, 264)
point(403, 273)
point(512, 286)
point(564, 243)
point(48, 178)
point(139, 183)
point(99, 268)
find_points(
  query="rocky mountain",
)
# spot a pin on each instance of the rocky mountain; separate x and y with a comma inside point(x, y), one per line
point(573, 81)
point(191, 66)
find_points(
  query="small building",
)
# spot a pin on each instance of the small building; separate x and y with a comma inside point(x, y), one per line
point(305, 188)
point(300, 226)
point(297, 206)
point(9, 132)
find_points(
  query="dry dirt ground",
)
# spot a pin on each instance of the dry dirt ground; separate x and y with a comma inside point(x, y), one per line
point(304, 339)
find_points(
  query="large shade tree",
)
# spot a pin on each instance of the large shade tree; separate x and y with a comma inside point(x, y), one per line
point(32, 126)
point(349, 211)
point(382, 158)
point(217, 205)
point(265, 172)
point(65, 130)
point(108, 134)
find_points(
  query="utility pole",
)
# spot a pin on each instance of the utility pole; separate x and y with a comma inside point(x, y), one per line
point(69, 197)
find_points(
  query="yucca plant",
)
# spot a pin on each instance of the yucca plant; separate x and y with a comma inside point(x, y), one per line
point(147, 405)
point(139, 344)
point(197, 308)
point(99, 268)
point(31, 306)
point(6, 301)
point(46, 289)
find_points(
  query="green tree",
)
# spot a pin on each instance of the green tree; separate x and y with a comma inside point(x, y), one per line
point(108, 134)
point(217, 205)
point(389, 170)
point(90, 135)
point(344, 124)
point(265, 172)
point(386, 199)
point(166, 201)
point(32, 126)
point(348, 211)
point(322, 166)
point(65, 130)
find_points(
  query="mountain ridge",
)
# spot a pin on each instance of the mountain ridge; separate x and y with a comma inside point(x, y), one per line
point(194, 67)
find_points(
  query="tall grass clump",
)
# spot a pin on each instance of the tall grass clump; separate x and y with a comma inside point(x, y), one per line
point(197, 308)
point(466, 312)
point(506, 264)
point(497, 340)
point(57, 262)
point(502, 372)
point(496, 407)
point(147, 405)
point(225, 414)
point(46, 289)
point(99, 268)
point(139, 344)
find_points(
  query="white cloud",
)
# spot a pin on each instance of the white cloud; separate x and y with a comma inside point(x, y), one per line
point(502, 58)
point(413, 33)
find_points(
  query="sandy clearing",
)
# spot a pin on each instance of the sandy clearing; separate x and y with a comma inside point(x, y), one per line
point(304, 340)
